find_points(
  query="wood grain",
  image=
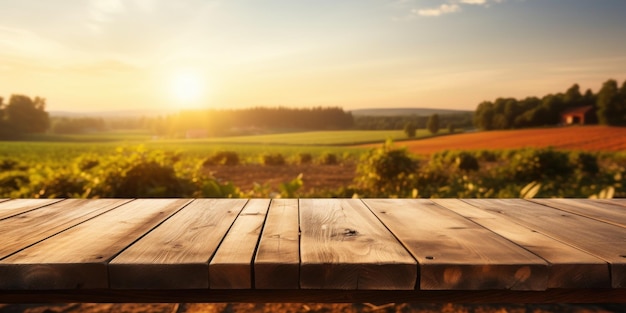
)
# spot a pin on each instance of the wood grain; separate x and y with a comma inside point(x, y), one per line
point(611, 213)
point(18, 206)
point(455, 253)
point(603, 240)
point(77, 258)
point(28, 228)
point(176, 254)
point(568, 267)
point(277, 262)
point(231, 266)
point(344, 246)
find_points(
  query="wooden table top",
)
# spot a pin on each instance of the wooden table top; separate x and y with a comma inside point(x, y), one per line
point(331, 250)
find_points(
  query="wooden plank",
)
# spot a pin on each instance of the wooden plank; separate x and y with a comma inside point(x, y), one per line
point(176, 254)
point(277, 262)
point(603, 240)
point(344, 246)
point(31, 227)
point(568, 267)
point(231, 266)
point(77, 258)
point(18, 206)
point(455, 253)
point(606, 212)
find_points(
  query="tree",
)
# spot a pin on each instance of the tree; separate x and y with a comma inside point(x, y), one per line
point(410, 129)
point(25, 115)
point(611, 105)
point(433, 124)
point(451, 128)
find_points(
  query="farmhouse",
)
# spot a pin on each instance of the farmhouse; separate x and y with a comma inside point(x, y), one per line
point(580, 115)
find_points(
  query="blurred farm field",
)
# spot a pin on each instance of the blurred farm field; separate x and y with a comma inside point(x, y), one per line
point(133, 164)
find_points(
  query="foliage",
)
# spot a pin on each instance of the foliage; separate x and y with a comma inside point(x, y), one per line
point(328, 158)
point(433, 124)
point(612, 104)
point(410, 129)
point(65, 125)
point(386, 171)
point(274, 159)
point(290, 189)
point(36, 170)
point(398, 122)
point(510, 113)
point(23, 115)
point(229, 158)
point(304, 158)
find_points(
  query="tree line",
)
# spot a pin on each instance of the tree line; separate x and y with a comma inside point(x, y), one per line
point(609, 105)
point(222, 122)
point(366, 122)
point(23, 115)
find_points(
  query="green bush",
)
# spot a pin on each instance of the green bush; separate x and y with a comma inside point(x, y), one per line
point(386, 171)
point(228, 158)
point(305, 158)
point(466, 162)
point(273, 159)
point(328, 159)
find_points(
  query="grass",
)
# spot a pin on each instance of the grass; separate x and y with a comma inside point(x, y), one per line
point(61, 148)
point(331, 138)
point(37, 151)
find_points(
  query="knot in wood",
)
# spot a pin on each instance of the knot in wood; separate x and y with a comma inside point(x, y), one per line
point(350, 232)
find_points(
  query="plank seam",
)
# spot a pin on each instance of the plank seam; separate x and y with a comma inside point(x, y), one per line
point(33, 209)
point(579, 214)
point(419, 273)
point(219, 244)
point(108, 273)
point(547, 263)
point(61, 231)
point(258, 243)
point(299, 247)
point(529, 226)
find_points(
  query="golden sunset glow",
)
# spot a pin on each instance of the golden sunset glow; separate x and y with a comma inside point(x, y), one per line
point(167, 55)
point(188, 88)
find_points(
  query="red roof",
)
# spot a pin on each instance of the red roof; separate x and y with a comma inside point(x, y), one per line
point(578, 110)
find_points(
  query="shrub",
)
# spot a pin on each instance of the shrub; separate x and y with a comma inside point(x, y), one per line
point(228, 158)
point(386, 171)
point(305, 158)
point(466, 162)
point(329, 159)
point(272, 159)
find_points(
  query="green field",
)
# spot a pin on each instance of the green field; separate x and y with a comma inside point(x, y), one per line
point(66, 147)
point(321, 138)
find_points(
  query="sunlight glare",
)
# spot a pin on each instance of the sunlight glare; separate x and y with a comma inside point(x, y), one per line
point(187, 87)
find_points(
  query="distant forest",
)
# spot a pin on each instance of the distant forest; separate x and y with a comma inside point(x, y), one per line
point(609, 105)
point(459, 120)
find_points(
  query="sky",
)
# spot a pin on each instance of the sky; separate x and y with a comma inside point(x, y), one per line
point(106, 55)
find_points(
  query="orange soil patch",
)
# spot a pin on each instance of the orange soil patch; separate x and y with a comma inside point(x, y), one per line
point(588, 138)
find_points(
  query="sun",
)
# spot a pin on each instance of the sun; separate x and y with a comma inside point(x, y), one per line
point(188, 88)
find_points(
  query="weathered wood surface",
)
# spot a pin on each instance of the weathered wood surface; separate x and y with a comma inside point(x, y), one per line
point(17, 206)
point(607, 212)
point(277, 261)
point(176, 254)
point(344, 246)
point(568, 267)
point(455, 253)
point(231, 267)
point(36, 225)
point(600, 239)
point(78, 257)
point(313, 249)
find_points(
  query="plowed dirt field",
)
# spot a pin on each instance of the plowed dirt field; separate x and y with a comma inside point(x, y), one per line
point(587, 138)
